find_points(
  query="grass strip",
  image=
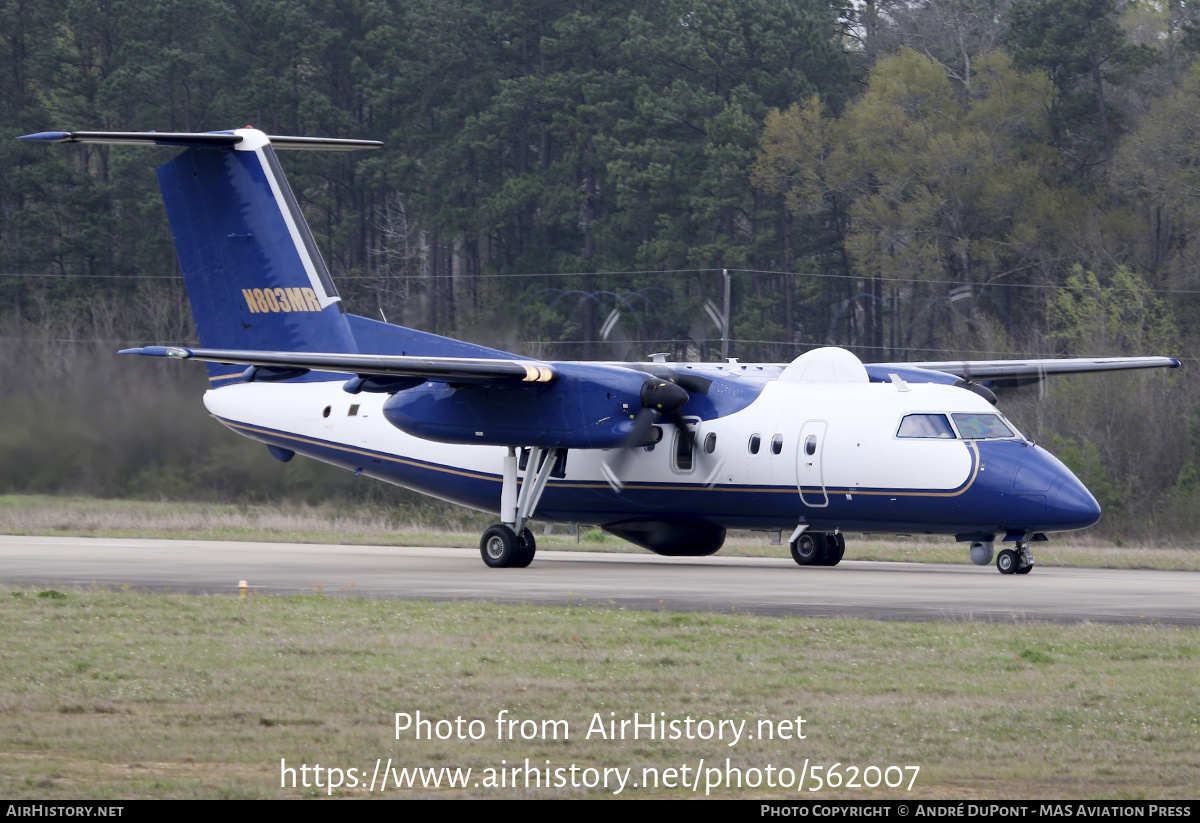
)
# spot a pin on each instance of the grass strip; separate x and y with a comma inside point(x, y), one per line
point(116, 694)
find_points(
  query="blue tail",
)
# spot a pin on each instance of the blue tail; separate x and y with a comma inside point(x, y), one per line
point(254, 277)
point(253, 274)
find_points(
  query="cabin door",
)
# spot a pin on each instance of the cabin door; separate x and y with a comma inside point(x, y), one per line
point(809, 474)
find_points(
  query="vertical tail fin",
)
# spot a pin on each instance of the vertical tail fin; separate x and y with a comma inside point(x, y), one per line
point(253, 273)
point(254, 277)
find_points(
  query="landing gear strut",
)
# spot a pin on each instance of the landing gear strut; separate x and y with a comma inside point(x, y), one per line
point(1015, 562)
point(509, 544)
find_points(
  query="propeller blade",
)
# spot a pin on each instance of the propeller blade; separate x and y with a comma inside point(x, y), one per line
point(610, 476)
point(687, 437)
point(660, 398)
point(642, 423)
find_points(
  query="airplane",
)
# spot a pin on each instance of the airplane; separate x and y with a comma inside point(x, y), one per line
point(668, 456)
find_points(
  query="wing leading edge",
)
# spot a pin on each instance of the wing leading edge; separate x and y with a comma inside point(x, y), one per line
point(1020, 372)
point(487, 370)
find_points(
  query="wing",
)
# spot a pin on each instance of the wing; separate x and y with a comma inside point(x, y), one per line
point(1006, 373)
point(437, 369)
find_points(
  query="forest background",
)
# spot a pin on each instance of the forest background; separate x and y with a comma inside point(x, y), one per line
point(923, 180)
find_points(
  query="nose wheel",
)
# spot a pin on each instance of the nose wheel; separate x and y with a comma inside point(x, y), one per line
point(1015, 562)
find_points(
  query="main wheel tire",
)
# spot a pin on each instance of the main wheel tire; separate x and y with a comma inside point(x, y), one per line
point(500, 548)
point(526, 549)
point(1006, 561)
point(809, 549)
point(835, 548)
point(1024, 569)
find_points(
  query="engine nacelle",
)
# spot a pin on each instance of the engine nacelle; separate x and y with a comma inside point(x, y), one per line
point(589, 406)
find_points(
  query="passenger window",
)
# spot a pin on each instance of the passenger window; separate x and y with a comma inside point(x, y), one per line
point(777, 444)
point(755, 442)
point(810, 445)
point(926, 425)
point(710, 443)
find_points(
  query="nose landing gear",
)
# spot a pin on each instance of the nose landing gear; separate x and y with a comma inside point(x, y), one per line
point(1015, 562)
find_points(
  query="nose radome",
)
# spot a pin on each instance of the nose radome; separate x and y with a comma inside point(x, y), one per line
point(1074, 505)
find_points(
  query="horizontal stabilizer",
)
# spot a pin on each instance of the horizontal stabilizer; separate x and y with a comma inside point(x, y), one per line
point(187, 140)
point(437, 369)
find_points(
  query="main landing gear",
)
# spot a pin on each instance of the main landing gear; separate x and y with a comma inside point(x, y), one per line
point(502, 548)
point(1015, 562)
point(509, 544)
point(818, 548)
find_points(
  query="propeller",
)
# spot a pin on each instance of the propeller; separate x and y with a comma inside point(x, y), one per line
point(977, 388)
point(659, 398)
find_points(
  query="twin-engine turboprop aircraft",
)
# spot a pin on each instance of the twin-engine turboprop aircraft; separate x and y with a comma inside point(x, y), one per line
point(666, 455)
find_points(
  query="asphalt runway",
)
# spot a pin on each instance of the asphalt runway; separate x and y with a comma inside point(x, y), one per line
point(775, 586)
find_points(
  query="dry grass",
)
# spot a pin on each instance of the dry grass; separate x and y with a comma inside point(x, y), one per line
point(32, 514)
point(308, 524)
point(120, 695)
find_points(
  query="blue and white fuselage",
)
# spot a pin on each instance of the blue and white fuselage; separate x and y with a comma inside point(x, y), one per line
point(749, 468)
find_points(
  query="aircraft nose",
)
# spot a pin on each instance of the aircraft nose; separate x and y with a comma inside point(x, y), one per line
point(1045, 490)
point(1074, 505)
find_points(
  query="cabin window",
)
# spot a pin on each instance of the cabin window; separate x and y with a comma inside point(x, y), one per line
point(981, 426)
point(810, 445)
point(755, 442)
point(353, 411)
point(926, 425)
point(327, 410)
point(710, 442)
point(777, 444)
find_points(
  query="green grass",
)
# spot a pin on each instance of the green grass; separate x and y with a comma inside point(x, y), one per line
point(88, 517)
point(112, 695)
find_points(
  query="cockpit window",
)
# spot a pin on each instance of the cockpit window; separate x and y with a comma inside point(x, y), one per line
point(982, 426)
point(925, 425)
